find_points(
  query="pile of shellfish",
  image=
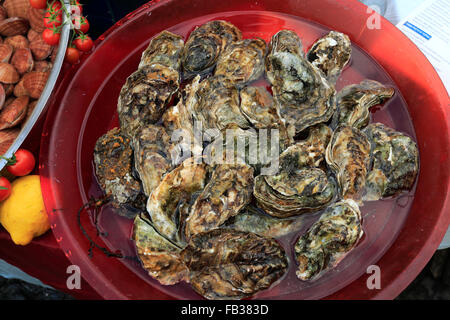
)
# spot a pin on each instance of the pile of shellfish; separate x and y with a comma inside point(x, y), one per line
point(216, 225)
point(25, 64)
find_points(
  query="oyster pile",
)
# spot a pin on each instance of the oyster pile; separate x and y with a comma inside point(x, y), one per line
point(215, 224)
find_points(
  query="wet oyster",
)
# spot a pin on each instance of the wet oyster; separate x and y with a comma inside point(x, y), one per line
point(242, 61)
point(205, 44)
point(164, 49)
point(228, 191)
point(251, 219)
point(330, 54)
point(395, 162)
point(354, 102)
point(304, 95)
point(145, 96)
point(230, 264)
point(158, 256)
point(113, 168)
point(328, 240)
point(175, 188)
point(348, 156)
point(152, 156)
point(293, 191)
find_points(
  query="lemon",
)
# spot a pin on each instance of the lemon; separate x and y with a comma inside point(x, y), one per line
point(23, 214)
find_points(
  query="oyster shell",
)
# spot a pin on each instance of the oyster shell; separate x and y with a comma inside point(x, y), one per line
point(242, 61)
point(158, 256)
point(354, 102)
point(330, 54)
point(164, 49)
point(395, 160)
point(328, 240)
point(152, 156)
point(113, 167)
point(304, 95)
point(348, 156)
point(228, 191)
point(145, 96)
point(205, 44)
point(231, 264)
point(293, 191)
point(176, 188)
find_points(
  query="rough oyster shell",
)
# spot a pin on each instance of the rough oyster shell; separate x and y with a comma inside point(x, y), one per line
point(164, 49)
point(176, 188)
point(145, 96)
point(152, 156)
point(113, 168)
point(395, 162)
point(348, 156)
point(231, 264)
point(228, 191)
point(354, 102)
point(304, 95)
point(328, 240)
point(158, 256)
point(205, 44)
point(330, 54)
point(242, 61)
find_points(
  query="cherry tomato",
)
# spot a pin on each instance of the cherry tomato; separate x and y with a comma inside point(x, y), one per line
point(25, 163)
point(72, 55)
point(52, 19)
point(54, 6)
point(82, 23)
point(5, 188)
point(51, 36)
point(38, 4)
point(76, 8)
point(83, 43)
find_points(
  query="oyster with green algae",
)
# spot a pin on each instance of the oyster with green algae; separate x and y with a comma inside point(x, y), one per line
point(231, 264)
point(395, 162)
point(348, 156)
point(330, 54)
point(328, 240)
point(354, 102)
point(205, 44)
point(304, 95)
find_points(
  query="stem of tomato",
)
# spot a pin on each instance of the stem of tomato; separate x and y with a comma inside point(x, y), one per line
point(9, 161)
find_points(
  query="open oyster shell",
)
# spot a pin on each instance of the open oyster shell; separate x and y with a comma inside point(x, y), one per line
point(348, 156)
point(242, 61)
point(354, 102)
point(205, 44)
point(395, 162)
point(330, 54)
point(328, 240)
point(158, 256)
point(227, 192)
point(304, 95)
point(230, 264)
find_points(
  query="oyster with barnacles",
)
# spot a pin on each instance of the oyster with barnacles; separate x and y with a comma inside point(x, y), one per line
point(165, 49)
point(348, 156)
point(231, 264)
point(152, 155)
point(330, 54)
point(174, 190)
point(305, 96)
point(242, 61)
point(113, 167)
point(328, 240)
point(354, 102)
point(205, 44)
point(158, 256)
point(227, 192)
point(145, 96)
point(293, 191)
point(395, 162)
point(252, 219)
